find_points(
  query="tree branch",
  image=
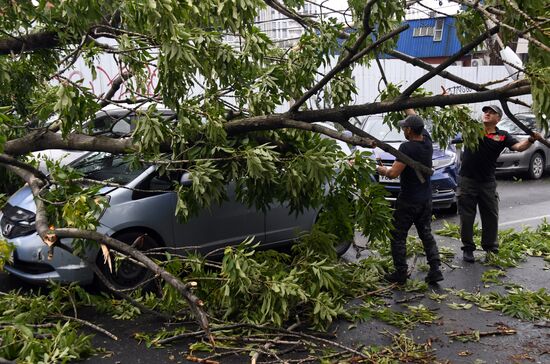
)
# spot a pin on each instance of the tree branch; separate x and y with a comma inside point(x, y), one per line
point(115, 86)
point(9, 160)
point(344, 63)
point(515, 120)
point(289, 13)
point(42, 140)
point(445, 74)
point(29, 43)
point(488, 11)
point(344, 113)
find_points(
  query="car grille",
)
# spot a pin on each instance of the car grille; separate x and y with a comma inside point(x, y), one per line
point(30, 267)
point(16, 222)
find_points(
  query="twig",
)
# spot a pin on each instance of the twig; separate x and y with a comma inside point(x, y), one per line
point(411, 298)
point(501, 330)
point(325, 341)
point(89, 324)
point(267, 346)
point(379, 290)
point(199, 360)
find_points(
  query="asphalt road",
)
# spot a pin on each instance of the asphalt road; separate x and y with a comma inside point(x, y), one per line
point(522, 203)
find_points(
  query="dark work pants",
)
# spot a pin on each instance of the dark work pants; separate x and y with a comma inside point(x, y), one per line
point(420, 214)
point(472, 194)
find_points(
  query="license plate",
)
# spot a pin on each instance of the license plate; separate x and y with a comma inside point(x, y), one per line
point(384, 179)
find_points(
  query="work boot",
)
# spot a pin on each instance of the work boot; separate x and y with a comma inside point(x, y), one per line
point(490, 256)
point(398, 277)
point(468, 256)
point(434, 276)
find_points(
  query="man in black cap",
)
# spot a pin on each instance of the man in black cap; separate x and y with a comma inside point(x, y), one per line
point(414, 203)
point(477, 185)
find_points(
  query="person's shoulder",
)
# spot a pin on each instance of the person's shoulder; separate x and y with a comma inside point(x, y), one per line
point(406, 147)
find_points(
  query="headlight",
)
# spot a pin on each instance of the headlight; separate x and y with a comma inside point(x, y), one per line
point(443, 162)
point(101, 212)
point(508, 151)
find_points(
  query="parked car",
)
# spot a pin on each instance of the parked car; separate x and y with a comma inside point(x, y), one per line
point(445, 165)
point(147, 208)
point(534, 161)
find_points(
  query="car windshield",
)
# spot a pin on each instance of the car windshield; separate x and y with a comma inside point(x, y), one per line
point(102, 166)
point(509, 126)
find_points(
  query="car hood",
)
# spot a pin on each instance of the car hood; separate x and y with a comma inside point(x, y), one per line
point(63, 156)
point(24, 198)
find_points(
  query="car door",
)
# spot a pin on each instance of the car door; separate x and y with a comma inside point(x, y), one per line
point(282, 225)
point(228, 223)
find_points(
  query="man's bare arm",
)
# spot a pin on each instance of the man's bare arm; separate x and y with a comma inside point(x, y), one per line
point(393, 172)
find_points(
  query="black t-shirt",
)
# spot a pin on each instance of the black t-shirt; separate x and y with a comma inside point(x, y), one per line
point(412, 189)
point(480, 164)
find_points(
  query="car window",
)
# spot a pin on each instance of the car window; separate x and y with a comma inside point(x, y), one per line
point(108, 124)
point(509, 126)
point(102, 166)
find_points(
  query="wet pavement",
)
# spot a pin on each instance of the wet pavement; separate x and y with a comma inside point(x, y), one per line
point(530, 343)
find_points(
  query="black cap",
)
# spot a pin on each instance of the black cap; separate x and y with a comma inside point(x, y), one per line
point(412, 121)
point(495, 108)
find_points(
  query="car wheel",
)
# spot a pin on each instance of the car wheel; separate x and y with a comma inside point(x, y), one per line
point(451, 210)
point(127, 274)
point(536, 166)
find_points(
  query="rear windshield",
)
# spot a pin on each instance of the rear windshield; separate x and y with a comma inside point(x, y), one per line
point(102, 166)
point(509, 126)
point(381, 131)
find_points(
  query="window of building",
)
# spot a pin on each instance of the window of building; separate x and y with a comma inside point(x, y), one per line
point(438, 30)
point(423, 31)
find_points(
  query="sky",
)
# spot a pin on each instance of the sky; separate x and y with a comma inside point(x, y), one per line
point(446, 7)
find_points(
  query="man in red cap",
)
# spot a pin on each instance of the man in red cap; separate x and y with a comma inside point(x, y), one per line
point(477, 185)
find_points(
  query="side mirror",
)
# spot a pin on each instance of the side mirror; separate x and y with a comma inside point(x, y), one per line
point(185, 179)
point(457, 139)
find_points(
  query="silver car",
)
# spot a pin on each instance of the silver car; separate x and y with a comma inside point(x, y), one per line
point(534, 161)
point(146, 207)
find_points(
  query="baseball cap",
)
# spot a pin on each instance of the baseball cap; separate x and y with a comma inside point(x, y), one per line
point(412, 121)
point(495, 108)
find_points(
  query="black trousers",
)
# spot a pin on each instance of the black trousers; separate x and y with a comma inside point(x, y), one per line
point(483, 195)
point(420, 214)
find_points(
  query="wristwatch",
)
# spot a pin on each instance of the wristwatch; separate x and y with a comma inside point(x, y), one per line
point(531, 140)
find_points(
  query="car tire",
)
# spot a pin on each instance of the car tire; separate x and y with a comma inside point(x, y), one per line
point(451, 210)
point(536, 166)
point(128, 274)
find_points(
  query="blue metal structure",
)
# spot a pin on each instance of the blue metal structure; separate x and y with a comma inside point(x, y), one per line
point(424, 46)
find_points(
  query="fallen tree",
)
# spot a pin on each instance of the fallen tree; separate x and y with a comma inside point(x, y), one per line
point(224, 98)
